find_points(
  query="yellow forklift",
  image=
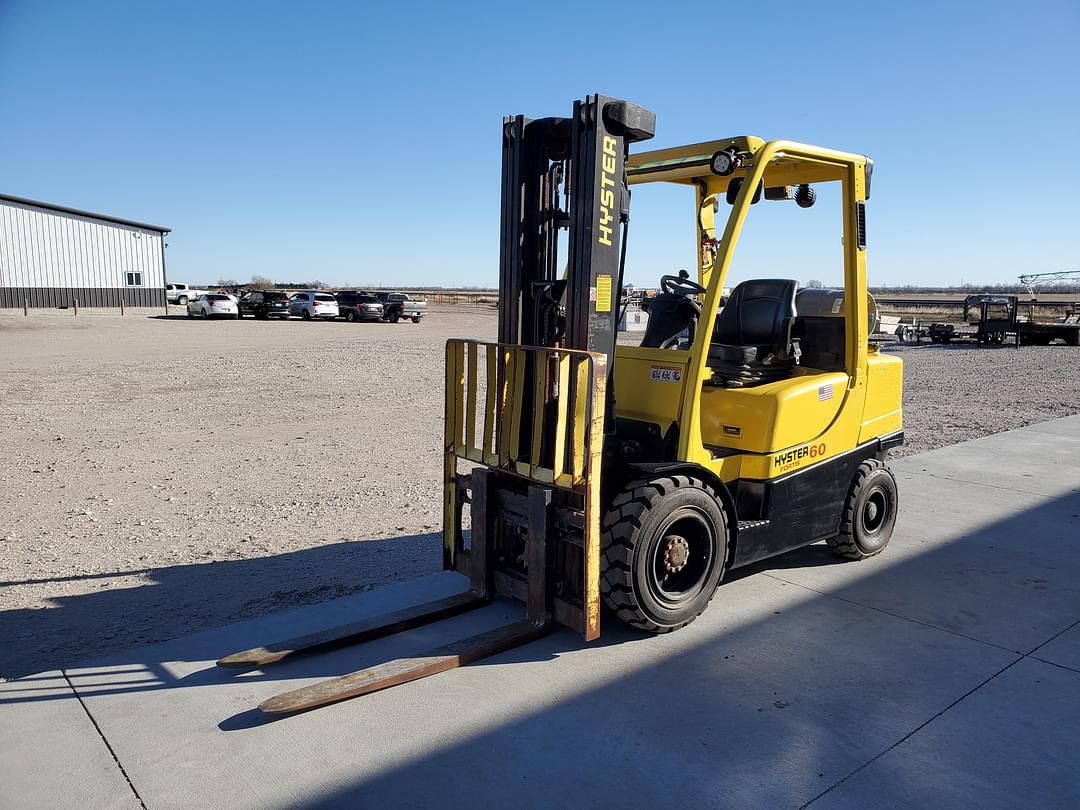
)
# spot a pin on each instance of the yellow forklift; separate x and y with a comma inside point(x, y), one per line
point(578, 470)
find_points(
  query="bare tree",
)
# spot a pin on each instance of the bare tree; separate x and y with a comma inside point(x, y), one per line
point(814, 283)
point(261, 283)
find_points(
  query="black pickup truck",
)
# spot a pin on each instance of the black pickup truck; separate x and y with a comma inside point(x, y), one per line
point(398, 305)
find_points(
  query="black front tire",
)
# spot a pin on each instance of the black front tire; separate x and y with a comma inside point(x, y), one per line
point(664, 546)
point(866, 524)
point(350, 316)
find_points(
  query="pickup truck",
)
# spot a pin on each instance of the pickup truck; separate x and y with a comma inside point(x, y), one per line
point(181, 293)
point(397, 305)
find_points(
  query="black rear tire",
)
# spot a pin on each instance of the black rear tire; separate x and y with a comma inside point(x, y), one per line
point(664, 548)
point(393, 317)
point(305, 315)
point(350, 316)
point(866, 524)
point(416, 319)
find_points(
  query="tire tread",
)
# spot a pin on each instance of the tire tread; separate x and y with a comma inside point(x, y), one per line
point(618, 528)
point(844, 543)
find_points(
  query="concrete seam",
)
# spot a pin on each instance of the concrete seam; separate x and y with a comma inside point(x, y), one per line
point(897, 615)
point(913, 732)
point(101, 734)
point(1053, 664)
point(978, 484)
point(1059, 633)
point(1029, 654)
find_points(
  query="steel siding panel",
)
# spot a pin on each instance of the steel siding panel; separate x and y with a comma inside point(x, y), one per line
point(54, 258)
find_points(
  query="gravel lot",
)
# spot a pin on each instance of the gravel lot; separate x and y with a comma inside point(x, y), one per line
point(163, 476)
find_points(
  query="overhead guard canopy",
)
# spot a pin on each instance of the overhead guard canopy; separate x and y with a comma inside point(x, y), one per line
point(690, 163)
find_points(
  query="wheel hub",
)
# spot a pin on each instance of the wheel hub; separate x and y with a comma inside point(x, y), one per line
point(676, 554)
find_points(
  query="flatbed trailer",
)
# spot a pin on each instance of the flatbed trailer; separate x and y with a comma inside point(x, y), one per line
point(995, 319)
point(1030, 333)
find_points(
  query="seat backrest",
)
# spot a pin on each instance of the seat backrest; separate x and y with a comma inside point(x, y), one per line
point(758, 313)
point(669, 315)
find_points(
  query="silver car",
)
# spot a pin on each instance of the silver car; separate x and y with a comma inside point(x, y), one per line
point(309, 304)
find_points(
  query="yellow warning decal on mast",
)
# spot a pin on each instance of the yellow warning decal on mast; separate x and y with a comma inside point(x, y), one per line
point(603, 293)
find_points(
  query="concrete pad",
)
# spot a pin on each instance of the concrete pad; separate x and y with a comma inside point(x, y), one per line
point(1037, 460)
point(1010, 744)
point(772, 679)
point(997, 565)
point(1065, 426)
point(50, 754)
point(805, 678)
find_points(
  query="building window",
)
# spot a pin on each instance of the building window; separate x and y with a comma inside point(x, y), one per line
point(134, 279)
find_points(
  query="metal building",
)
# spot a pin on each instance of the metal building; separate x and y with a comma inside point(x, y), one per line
point(52, 256)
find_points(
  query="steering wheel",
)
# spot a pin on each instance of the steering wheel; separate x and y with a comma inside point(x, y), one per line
point(683, 286)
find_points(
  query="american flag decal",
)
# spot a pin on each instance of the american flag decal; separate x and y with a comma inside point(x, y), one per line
point(824, 392)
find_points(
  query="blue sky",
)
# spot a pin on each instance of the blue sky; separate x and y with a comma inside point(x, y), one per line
point(359, 142)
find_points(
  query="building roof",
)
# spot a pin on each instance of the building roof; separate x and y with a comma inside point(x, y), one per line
point(78, 212)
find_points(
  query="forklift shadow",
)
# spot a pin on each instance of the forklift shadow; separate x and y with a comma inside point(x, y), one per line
point(813, 556)
point(768, 706)
point(115, 611)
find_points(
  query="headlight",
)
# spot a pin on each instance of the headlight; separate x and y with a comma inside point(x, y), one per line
point(724, 163)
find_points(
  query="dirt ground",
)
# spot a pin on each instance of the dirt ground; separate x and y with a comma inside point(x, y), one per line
point(162, 476)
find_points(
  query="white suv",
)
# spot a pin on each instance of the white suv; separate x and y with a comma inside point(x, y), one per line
point(313, 304)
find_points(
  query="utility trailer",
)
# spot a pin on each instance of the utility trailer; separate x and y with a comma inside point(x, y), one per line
point(988, 319)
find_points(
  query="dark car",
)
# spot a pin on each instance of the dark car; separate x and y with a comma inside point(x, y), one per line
point(359, 306)
point(265, 304)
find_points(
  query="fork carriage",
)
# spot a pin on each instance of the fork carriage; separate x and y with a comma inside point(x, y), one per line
point(529, 422)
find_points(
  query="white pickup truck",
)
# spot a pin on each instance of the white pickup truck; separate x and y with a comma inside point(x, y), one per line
point(181, 293)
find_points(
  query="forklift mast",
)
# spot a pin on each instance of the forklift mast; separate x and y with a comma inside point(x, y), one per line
point(566, 174)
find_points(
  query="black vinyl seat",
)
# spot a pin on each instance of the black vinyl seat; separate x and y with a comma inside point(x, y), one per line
point(670, 315)
point(752, 341)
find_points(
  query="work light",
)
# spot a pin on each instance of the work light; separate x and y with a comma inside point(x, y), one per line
point(724, 163)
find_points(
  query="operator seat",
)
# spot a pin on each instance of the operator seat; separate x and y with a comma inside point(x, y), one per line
point(752, 342)
point(670, 314)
